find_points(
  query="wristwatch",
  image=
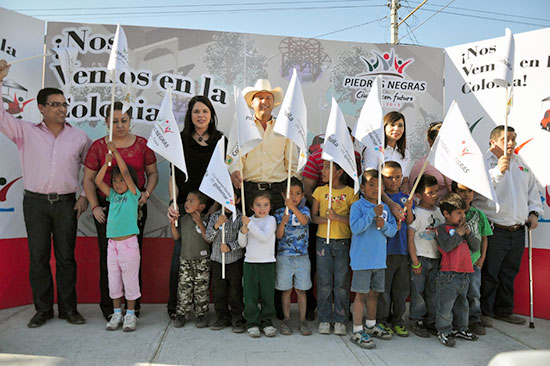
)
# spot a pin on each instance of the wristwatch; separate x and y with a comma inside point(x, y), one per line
point(534, 213)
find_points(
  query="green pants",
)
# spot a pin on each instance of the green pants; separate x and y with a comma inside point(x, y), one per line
point(259, 285)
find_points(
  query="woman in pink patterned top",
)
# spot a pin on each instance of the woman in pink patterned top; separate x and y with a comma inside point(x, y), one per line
point(136, 154)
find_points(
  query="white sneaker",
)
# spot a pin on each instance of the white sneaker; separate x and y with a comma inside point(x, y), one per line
point(270, 331)
point(130, 321)
point(340, 329)
point(324, 328)
point(115, 322)
point(254, 332)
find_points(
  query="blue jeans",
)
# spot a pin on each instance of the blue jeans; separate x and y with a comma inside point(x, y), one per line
point(423, 291)
point(333, 279)
point(474, 295)
point(452, 299)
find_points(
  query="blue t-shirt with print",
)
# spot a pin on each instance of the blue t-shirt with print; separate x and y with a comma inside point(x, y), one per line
point(398, 244)
point(294, 241)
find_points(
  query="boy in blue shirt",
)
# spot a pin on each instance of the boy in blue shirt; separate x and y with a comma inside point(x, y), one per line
point(293, 265)
point(371, 224)
point(392, 303)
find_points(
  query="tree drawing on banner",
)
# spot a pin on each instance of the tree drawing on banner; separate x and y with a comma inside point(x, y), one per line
point(234, 60)
point(348, 64)
point(306, 55)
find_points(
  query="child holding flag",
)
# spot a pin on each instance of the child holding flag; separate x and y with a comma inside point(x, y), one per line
point(371, 224)
point(123, 251)
point(228, 290)
point(194, 271)
point(258, 236)
point(333, 275)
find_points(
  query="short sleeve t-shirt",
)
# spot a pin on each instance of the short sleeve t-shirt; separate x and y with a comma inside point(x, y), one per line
point(478, 224)
point(123, 214)
point(295, 239)
point(398, 243)
point(424, 226)
point(342, 199)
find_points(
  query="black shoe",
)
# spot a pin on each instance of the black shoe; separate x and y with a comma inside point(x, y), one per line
point(432, 329)
point(465, 334)
point(419, 328)
point(219, 324)
point(179, 322)
point(238, 327)
point(40, 318)
point(72, 317)
point(201, 322)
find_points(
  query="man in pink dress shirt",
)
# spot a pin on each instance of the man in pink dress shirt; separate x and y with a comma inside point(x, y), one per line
point(51, 153)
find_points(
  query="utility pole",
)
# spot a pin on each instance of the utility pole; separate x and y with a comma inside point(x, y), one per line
point(394, 6)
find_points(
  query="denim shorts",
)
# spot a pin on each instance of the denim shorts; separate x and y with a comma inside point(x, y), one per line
point(293, 267)
point(369, 279)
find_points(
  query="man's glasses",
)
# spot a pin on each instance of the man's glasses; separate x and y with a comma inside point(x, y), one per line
point(57, 104)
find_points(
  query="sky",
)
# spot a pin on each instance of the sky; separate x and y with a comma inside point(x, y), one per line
point(438, 23)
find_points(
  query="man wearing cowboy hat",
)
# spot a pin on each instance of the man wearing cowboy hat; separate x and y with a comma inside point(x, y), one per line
point(265, 168)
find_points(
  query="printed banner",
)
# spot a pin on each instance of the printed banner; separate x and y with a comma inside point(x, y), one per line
point(20, 36)
point(469, 73)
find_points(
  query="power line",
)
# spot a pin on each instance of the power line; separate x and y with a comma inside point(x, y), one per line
point(353, 26)
point(189, 12)
point(433, 15)
point(194, 5)
point(488, 12)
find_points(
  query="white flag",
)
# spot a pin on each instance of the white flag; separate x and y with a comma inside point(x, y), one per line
point(292, 119)
point(504, 66)
point(369, 128)
point(165, 138)
point(457, 156)
point(244, 135)
point(338, 146)
point(119, 63)
point(216, 182)
point(69, 64)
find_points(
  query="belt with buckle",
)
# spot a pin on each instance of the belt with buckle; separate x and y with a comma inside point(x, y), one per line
point(51, 197)
point(512, 228)
point(265, 186)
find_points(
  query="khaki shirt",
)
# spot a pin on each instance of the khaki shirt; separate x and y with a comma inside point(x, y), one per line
point(268, 162)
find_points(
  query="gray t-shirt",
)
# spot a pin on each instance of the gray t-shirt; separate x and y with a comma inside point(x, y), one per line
point(193, 245)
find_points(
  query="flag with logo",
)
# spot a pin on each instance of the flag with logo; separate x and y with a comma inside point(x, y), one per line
point(165, 138)
point(338, 146)
point(244, 135)
point(457, 156)
point(292, 119)
point(216, 182)
point(68, 62)
point(504, 66)
point(369, 129)
point(119, 63)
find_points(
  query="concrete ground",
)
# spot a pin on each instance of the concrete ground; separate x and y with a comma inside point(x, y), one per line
point(157, 342)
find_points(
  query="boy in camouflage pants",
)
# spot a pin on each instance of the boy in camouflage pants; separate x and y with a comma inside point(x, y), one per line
point(194, 271)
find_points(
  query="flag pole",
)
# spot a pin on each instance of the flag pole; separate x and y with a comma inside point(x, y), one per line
point(243, 204)
point(418, 179)
point(506, 124)
point(113, 80)
point(289, 173)
point(329, 199)
point(531, 321)
point(174, 199)
point(223, 242)
point(45, 54)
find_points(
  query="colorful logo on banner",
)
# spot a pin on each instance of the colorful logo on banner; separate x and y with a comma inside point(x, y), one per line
point(14, 104)
point(387, 63)
point(465, 150)
point(4, 192)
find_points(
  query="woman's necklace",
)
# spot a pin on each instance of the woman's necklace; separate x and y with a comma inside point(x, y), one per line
point(200, 136)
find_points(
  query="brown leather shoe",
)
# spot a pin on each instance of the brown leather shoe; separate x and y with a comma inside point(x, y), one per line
point(512, 318)
point(40, 318)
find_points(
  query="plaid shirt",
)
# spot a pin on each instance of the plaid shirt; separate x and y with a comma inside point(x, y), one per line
point(231, 234)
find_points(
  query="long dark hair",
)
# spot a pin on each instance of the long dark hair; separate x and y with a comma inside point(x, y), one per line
point(188, 129)
point(401, 144)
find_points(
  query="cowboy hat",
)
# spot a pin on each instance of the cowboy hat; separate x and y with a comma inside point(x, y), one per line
point(263, 85)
